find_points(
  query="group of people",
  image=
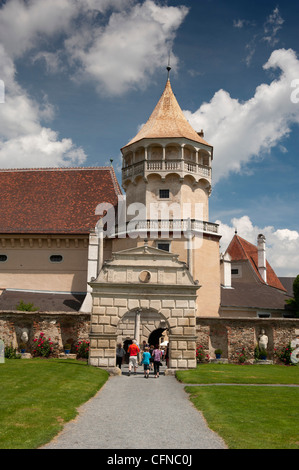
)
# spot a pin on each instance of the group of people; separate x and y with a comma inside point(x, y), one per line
point(150, 359)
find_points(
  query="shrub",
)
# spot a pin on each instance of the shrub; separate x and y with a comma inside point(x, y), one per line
point(82, 349)
point(201, 355)
point(260, 353)
point(294, 302)
point(43, 347)
point(26, 307)
point(11, 353)
point(284, 355)
point(242, 356)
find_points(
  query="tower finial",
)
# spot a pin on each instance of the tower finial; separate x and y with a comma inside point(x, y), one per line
point(168, 68)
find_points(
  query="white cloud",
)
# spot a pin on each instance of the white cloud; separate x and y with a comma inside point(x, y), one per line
point(282, 245)
point(24, 141)
point(126, 51)
point(116, 43)
point(272, 25)
point(23, 25)
point(241, 131)
point(53, 61)
point(267, 33)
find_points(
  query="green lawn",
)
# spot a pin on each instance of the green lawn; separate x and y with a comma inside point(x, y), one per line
point(234, 373)
point(38, 396)
point(248, 417)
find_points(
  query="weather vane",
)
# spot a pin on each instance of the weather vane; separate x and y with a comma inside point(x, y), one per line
point(168, 68)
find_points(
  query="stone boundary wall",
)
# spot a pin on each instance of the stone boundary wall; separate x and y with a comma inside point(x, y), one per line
point(228, 334)
point(233, 334)
point(61, 327)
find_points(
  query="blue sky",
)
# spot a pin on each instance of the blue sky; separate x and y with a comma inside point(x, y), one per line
point(81, 76)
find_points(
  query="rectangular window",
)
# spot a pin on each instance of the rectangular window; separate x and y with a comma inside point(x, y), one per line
point(164, 193)
point(235, 271)
point(263, 315)
point(163, 246)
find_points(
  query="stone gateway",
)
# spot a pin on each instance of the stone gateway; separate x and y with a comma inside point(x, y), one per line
point(126, 307)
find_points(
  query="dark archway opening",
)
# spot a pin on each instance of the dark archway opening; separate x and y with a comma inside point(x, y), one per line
point(155, 335)
point(127, 343)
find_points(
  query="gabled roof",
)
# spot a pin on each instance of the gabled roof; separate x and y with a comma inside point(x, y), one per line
point(54, 200)
point(242, 250)
point(167, 121)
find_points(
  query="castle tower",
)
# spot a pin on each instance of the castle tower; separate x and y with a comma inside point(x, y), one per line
point(167, 165)
point(168, 161)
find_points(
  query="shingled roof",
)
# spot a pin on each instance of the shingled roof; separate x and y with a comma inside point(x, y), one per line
point(167, 121)
point(253, 295)
point(242, 250)
point(54, 200)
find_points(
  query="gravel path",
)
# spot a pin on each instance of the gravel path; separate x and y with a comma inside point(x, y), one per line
point(138, 413)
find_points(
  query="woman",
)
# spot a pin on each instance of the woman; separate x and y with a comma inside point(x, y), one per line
point(120, 354)
point(157, 354)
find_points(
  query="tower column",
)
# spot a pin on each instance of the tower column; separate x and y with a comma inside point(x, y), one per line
point(182, 152)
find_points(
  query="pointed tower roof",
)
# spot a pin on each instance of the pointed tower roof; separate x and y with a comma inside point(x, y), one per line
point(167, 121)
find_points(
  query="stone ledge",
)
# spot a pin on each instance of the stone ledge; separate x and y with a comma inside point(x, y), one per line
point(219, 361)
point(264, 362)
point(26, 356)
point(67, 356)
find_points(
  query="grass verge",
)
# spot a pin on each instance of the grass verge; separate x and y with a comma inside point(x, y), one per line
point(240, 374)
point(251, 417)
point(248, 417)
point(39, 396)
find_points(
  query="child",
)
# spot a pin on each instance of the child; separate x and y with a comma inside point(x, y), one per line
point(146, 362)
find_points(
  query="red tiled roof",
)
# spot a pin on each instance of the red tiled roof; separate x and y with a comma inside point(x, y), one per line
point(241, 250)
point(54, 200)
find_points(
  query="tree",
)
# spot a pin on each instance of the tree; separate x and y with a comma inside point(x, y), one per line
point(294, 302)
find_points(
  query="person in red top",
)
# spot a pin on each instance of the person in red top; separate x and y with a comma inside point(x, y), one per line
point(133, 351)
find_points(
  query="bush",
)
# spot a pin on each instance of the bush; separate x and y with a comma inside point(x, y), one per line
point(260, 353)
point(11, 353)
point(242, 356)
point(82, 349)
point(43, 347)
point(26, 307)
point(284, 355)
point(201, 355)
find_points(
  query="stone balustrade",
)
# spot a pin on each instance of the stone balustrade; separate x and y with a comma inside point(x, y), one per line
point(164, 167)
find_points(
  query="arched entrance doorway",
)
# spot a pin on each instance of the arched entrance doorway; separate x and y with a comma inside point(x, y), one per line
point(125, 307)
point(155, 335)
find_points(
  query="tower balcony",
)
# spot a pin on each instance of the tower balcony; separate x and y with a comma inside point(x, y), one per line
point(159, 227)
point(166, 167)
